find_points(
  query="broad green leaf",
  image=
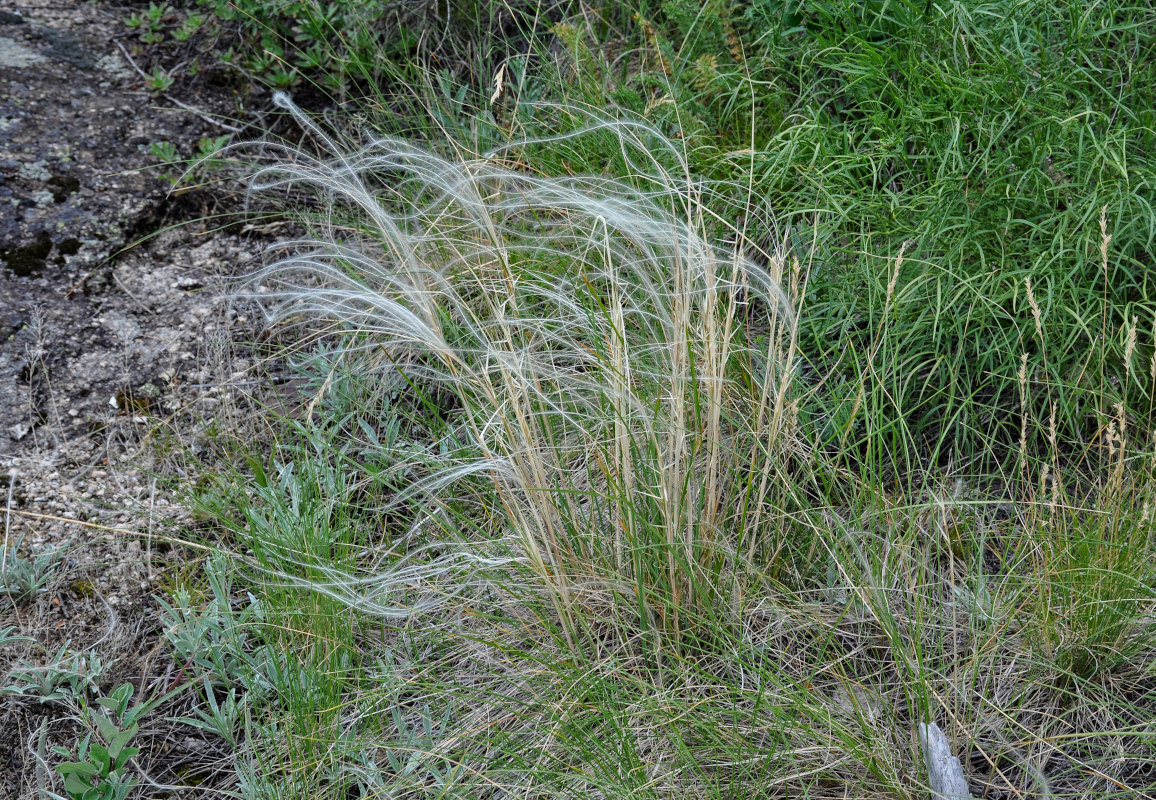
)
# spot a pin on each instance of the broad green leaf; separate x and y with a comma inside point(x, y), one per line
point(76, 786)
point(117, 743)
point(124, 756)
point(76, 768)
point(99, 756)
point(107, 728)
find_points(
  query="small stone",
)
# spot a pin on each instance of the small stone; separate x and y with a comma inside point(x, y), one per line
point(188, 284)
point(14, 54)
point(35, 171)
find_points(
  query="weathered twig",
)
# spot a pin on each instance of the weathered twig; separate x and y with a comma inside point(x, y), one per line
point(944, 772)
point(110, 529)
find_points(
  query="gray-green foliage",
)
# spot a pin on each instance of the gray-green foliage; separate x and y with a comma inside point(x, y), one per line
point(25, 576)
point(220, 718)
point(218, 644)
point(353, 729)
point(68, 677)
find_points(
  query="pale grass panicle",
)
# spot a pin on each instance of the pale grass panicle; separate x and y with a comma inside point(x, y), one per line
point(590, 331)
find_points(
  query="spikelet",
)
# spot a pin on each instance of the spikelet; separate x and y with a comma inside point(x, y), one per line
point(1037, 317)
point(1130, 344)
point(1105, 240)
point(1053, 443)
point(655, 43)
point(1023, 378)
point(1152, 361)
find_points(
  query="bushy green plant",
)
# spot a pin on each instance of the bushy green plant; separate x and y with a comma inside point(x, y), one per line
point(159, 81)
point(100, 769)
point(191, 24)
point(67, 677)
point(209, 150)
point(340, 37)
point(165, 152)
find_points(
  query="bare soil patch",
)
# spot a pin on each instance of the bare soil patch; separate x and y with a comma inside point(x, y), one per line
point(106, 347)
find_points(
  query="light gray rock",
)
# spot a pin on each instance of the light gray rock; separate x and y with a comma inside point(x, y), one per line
point(14, 54)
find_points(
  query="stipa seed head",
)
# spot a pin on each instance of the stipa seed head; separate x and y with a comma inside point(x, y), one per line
point(585, 326)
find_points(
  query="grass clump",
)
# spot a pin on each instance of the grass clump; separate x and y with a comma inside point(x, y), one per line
point(558, 490)
point(620, 380)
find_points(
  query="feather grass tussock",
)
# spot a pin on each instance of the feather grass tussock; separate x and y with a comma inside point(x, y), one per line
point(608, 373)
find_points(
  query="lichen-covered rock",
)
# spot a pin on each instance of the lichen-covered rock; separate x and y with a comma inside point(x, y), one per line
point(71, 177)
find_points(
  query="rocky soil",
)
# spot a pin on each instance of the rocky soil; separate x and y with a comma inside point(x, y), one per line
point(115, 336)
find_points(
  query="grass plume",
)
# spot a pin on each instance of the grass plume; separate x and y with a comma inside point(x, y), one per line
point(620, 380)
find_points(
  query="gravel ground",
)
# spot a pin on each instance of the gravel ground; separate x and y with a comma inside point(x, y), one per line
point(116, 336)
